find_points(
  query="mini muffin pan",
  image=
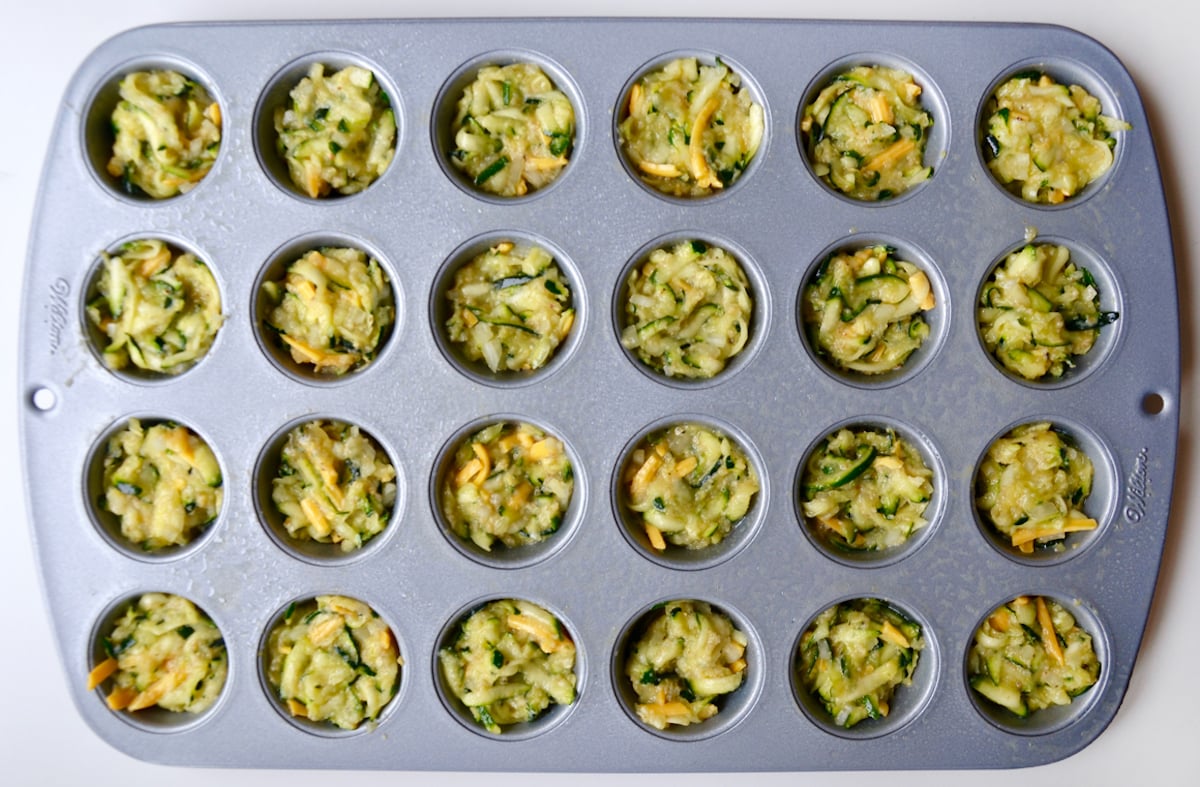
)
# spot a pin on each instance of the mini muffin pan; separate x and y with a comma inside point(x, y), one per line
point(418, 398)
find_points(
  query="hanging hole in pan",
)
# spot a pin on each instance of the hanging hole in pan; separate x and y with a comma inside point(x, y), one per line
point(44, 399)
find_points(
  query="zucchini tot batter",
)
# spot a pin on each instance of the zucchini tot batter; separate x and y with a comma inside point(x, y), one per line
point(510, 661)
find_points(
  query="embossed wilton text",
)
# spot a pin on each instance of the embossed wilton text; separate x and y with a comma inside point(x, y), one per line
point(60, 288)
point(1137, 488)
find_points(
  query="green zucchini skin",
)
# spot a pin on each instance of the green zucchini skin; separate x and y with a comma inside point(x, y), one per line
point(1010, 665)
point(1039, 314)
point(864, 310)
point(866, 132)
point(865, 489)
point(510, 308)
point(158, 308)
point(688, 310)
point(1047, 141)
point(510, 662)
point(513, 130)
point(333, 660)
point(854, 657)
point(687, 659)
point(692, 483)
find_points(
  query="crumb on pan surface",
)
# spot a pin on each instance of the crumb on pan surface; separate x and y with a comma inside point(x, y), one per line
point(690, 129)
point(166, 134)
point(1032, 486)
point(866, 133)
point(513, 130)
point(855, 656)
point(334, 484)
point(337, 132)
point(509, 482)
point(509, 662)
point(689, 485)
point(866, 489)
point(864, 311)
point(689, 657)
point(158, 308)
point(1030, 654)
point(1046, 140)
point(332, 309)
point(333, 659)
point(162, 652)
point(510, 307)
point(687, 310)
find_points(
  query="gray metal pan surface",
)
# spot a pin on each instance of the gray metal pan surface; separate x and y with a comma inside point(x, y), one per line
point(778, 400)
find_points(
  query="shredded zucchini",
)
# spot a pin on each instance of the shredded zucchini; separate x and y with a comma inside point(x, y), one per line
point(509, 482)
point(333, 659)
point(688, 310)
point(163, 482)
point(855, 655)
point(162, 652)
point(1030, 654)
point(159, 309)
point(866, 133)
point(511, 660)
point(333, 485)
point(687, 659)
point(332, 309)
point(691, 129)
point(510, 308)
point(167, 133)
point(1038, 312)
point(1032, 485)
point(1047, 141)
point(867, 489)
point(338, 133)
point(691, 484)
point(513, 130)
point(863, 311)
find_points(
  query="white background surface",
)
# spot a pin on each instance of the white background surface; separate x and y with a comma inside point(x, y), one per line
point(1155, 738)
